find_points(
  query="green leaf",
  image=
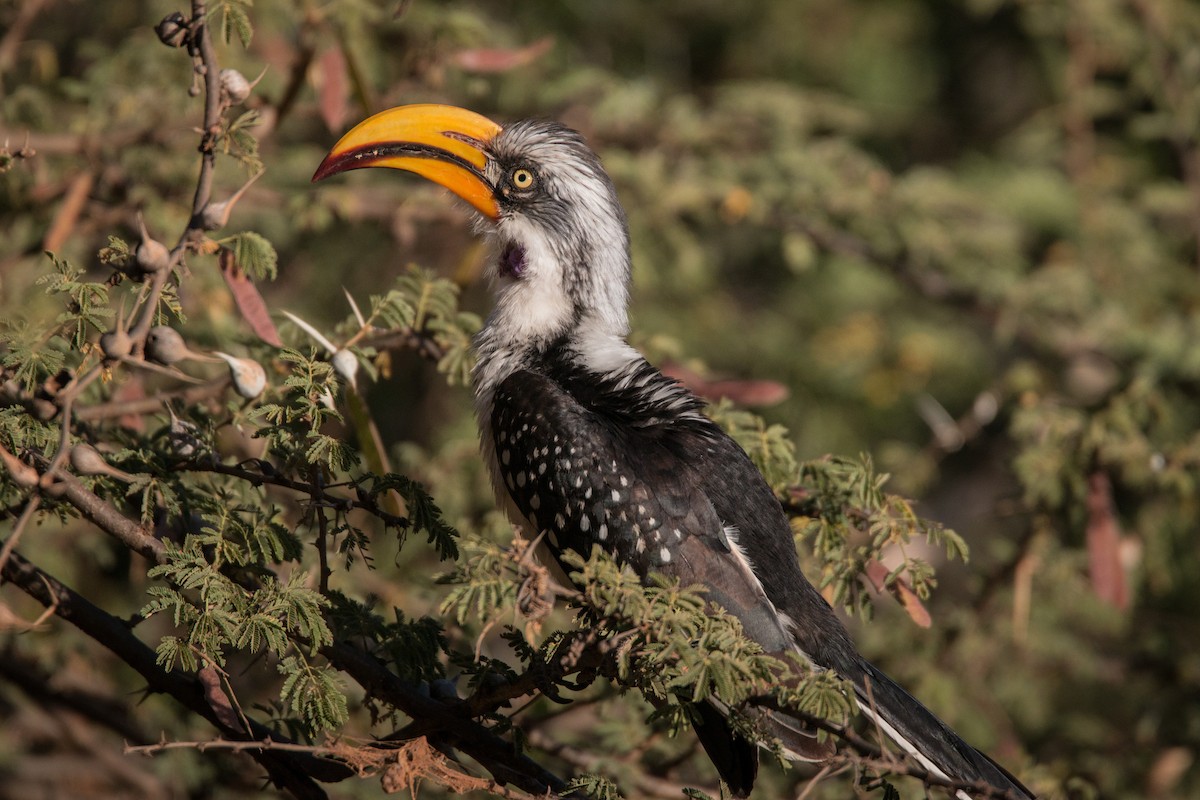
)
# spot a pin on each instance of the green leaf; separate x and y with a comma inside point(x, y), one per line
point(423, 513)
point(254, 254)
point(235, 18)
point(597, 787)
point(313, 693)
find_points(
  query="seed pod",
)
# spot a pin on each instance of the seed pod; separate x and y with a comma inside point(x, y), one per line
point(165, 345)
point(21, 473)
point(234, 85)
point(151, 255)
point(216, 215)
point(86, 460)
point(249, 378)
point(345, 363)
point(172, 29)
point(116, 344)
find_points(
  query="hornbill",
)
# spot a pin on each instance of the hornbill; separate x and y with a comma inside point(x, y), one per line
point(589, 444)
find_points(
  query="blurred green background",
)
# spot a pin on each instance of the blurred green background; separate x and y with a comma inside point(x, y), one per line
point(961, 234)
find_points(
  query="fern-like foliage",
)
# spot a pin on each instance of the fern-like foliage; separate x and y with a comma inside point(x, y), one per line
point(848, 519)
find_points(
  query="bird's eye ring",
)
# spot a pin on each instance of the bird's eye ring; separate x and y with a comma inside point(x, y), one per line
point(521, 179)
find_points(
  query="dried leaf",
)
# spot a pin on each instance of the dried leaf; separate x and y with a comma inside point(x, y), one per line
point(1104, 543)
point(492, 60)
point(249, 301)
point(877, 574)
point(333, 89)
point(218, 701)
point(68, 212)
point(747, 394)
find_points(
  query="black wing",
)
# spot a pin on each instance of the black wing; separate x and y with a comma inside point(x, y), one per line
point(679, 497)
point(584, 478)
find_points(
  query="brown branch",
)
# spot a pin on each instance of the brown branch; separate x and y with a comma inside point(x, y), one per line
point(362, 501)
point(31, 505)
point(66, 401)
point(38, 683)
point(89, 144)
point(322, 543)
point(292, 772)
point(148, 405)
point(213, 109)
point(233, 746)
point(129, 533)
point(420, 341)
point(456, 728)
point(68, 213)
point(16, 33)
point(297, 75)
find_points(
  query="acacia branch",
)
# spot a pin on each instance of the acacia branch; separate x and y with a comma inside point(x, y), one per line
point(38, 683)
point(148, 405)
point(295, 773)
point(316, 494)
point(454, 724)
point(106, 517)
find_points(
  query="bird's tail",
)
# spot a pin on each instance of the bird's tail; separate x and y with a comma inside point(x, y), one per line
point(937, 748)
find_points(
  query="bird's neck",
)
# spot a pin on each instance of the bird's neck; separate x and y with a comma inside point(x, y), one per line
point(548, 294)
point(528, 337)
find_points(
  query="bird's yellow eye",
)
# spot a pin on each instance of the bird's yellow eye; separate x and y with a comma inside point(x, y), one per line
point(521, 178)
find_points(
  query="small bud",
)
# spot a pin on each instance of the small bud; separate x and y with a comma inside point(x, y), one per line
point(216, 215)
point(249, 378)
point(234, 85)
point(172, 30)
point(116, 344)
point(164, 345)
point(151, 256)
point(21, 473)
point(86, 460)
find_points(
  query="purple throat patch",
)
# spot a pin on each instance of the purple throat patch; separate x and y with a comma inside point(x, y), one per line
point(512, 260)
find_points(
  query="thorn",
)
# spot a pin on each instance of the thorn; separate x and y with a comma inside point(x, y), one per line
point(311, 331)
point(362, 323)
point(216, 215)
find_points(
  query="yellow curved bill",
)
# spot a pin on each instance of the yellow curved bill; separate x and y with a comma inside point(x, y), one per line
point(446, 144)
